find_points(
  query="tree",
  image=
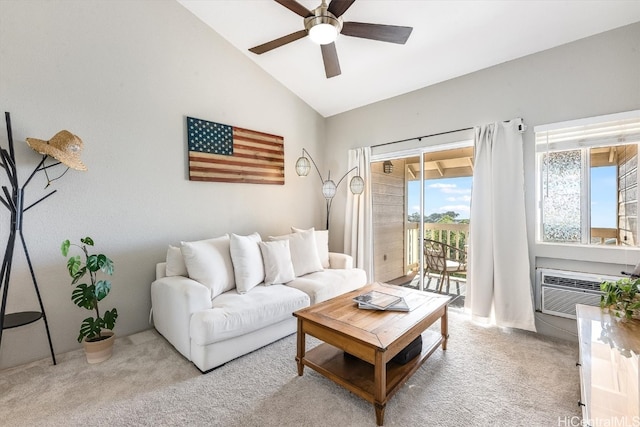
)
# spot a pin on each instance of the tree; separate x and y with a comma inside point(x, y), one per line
point(414, 217)
point(446, 217)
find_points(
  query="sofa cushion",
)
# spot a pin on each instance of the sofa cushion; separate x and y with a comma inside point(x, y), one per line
point(322, 244)
point(329, 283)
point(277, 262)
point(209, 262)
point(304, 252)
point(247, 261)
point(175, 263)
point(233, 314)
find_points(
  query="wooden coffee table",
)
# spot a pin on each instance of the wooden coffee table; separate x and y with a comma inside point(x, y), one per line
point(374, 337)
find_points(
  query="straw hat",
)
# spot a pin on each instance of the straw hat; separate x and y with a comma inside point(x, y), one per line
point(64, 146)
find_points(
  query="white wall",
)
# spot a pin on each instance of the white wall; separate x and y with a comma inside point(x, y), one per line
point(122, 76)
point(590, 77)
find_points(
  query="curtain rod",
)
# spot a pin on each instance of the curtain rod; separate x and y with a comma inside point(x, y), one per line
point(521, 129)
point(420, 137)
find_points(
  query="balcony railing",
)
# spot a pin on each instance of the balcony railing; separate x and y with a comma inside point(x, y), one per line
point(604, 236)
point(455, 235)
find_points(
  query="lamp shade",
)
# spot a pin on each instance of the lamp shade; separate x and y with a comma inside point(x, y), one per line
point(356, 184)
point(328, 189)
point(303, 166)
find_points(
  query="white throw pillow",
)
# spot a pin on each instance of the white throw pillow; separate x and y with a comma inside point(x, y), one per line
point(175, 263)
point(304, 252)
point(247, 261)
point(277, 262)
point(209, 262)
point(322, 242)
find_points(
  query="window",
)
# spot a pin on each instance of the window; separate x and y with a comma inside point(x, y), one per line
point(587, 178)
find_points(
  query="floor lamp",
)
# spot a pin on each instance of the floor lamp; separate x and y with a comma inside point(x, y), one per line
point(64, 147)
point(329, 188)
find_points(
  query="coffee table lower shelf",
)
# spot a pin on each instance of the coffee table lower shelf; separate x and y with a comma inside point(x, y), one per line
point(357, 376)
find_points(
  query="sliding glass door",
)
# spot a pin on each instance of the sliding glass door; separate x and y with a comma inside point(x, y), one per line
point(421, 194)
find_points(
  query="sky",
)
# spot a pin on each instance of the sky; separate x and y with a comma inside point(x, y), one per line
point(604, 195)
point(442, 195)
point(454, 194)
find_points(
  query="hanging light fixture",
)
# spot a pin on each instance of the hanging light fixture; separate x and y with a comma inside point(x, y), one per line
point(329, 187)
point(356, 185)
point(303, 166)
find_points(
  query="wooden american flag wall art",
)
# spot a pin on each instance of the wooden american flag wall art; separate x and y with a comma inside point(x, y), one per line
point(224, 153)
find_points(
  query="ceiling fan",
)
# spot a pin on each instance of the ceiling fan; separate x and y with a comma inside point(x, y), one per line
point(324, 23)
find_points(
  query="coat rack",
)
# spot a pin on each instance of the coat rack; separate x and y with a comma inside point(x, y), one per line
point(13, 200)
point(65, 147)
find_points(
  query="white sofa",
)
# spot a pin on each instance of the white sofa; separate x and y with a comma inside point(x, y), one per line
point(217, 299)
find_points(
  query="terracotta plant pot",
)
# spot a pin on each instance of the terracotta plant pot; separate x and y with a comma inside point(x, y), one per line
point(99, 351)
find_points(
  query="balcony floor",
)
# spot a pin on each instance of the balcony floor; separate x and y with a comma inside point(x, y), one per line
point(413, 281)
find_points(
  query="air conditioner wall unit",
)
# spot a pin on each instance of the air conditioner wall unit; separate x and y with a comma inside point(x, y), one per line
point(558, 291)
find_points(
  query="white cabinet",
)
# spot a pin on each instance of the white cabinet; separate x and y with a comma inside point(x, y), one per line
point(609, 368)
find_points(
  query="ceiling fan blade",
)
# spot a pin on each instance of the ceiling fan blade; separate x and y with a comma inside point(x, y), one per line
point(295, 7)
point(266, 47)
point(383, 33)
point(338, 7)
point(330, 58)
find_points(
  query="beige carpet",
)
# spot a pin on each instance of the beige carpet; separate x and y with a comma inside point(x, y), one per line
point(487, 377)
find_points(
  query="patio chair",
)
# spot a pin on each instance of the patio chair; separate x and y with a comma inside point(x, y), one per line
point(444, 260)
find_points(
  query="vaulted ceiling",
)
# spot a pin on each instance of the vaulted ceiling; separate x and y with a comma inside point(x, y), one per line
point(449, 39)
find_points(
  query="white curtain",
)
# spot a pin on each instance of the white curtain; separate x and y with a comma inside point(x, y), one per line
point(499, 268)
point(358, 223)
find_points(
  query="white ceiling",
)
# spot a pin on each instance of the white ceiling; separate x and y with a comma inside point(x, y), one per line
point(449, 39)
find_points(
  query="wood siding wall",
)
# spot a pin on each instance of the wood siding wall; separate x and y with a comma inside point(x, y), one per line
point(389, 218)
point(628, 195)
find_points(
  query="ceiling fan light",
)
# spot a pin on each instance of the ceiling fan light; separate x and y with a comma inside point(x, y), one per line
point(323, 33)
point(323, 27)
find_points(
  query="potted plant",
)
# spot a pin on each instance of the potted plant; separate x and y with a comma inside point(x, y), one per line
point(96, 333)
point(622, 297)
